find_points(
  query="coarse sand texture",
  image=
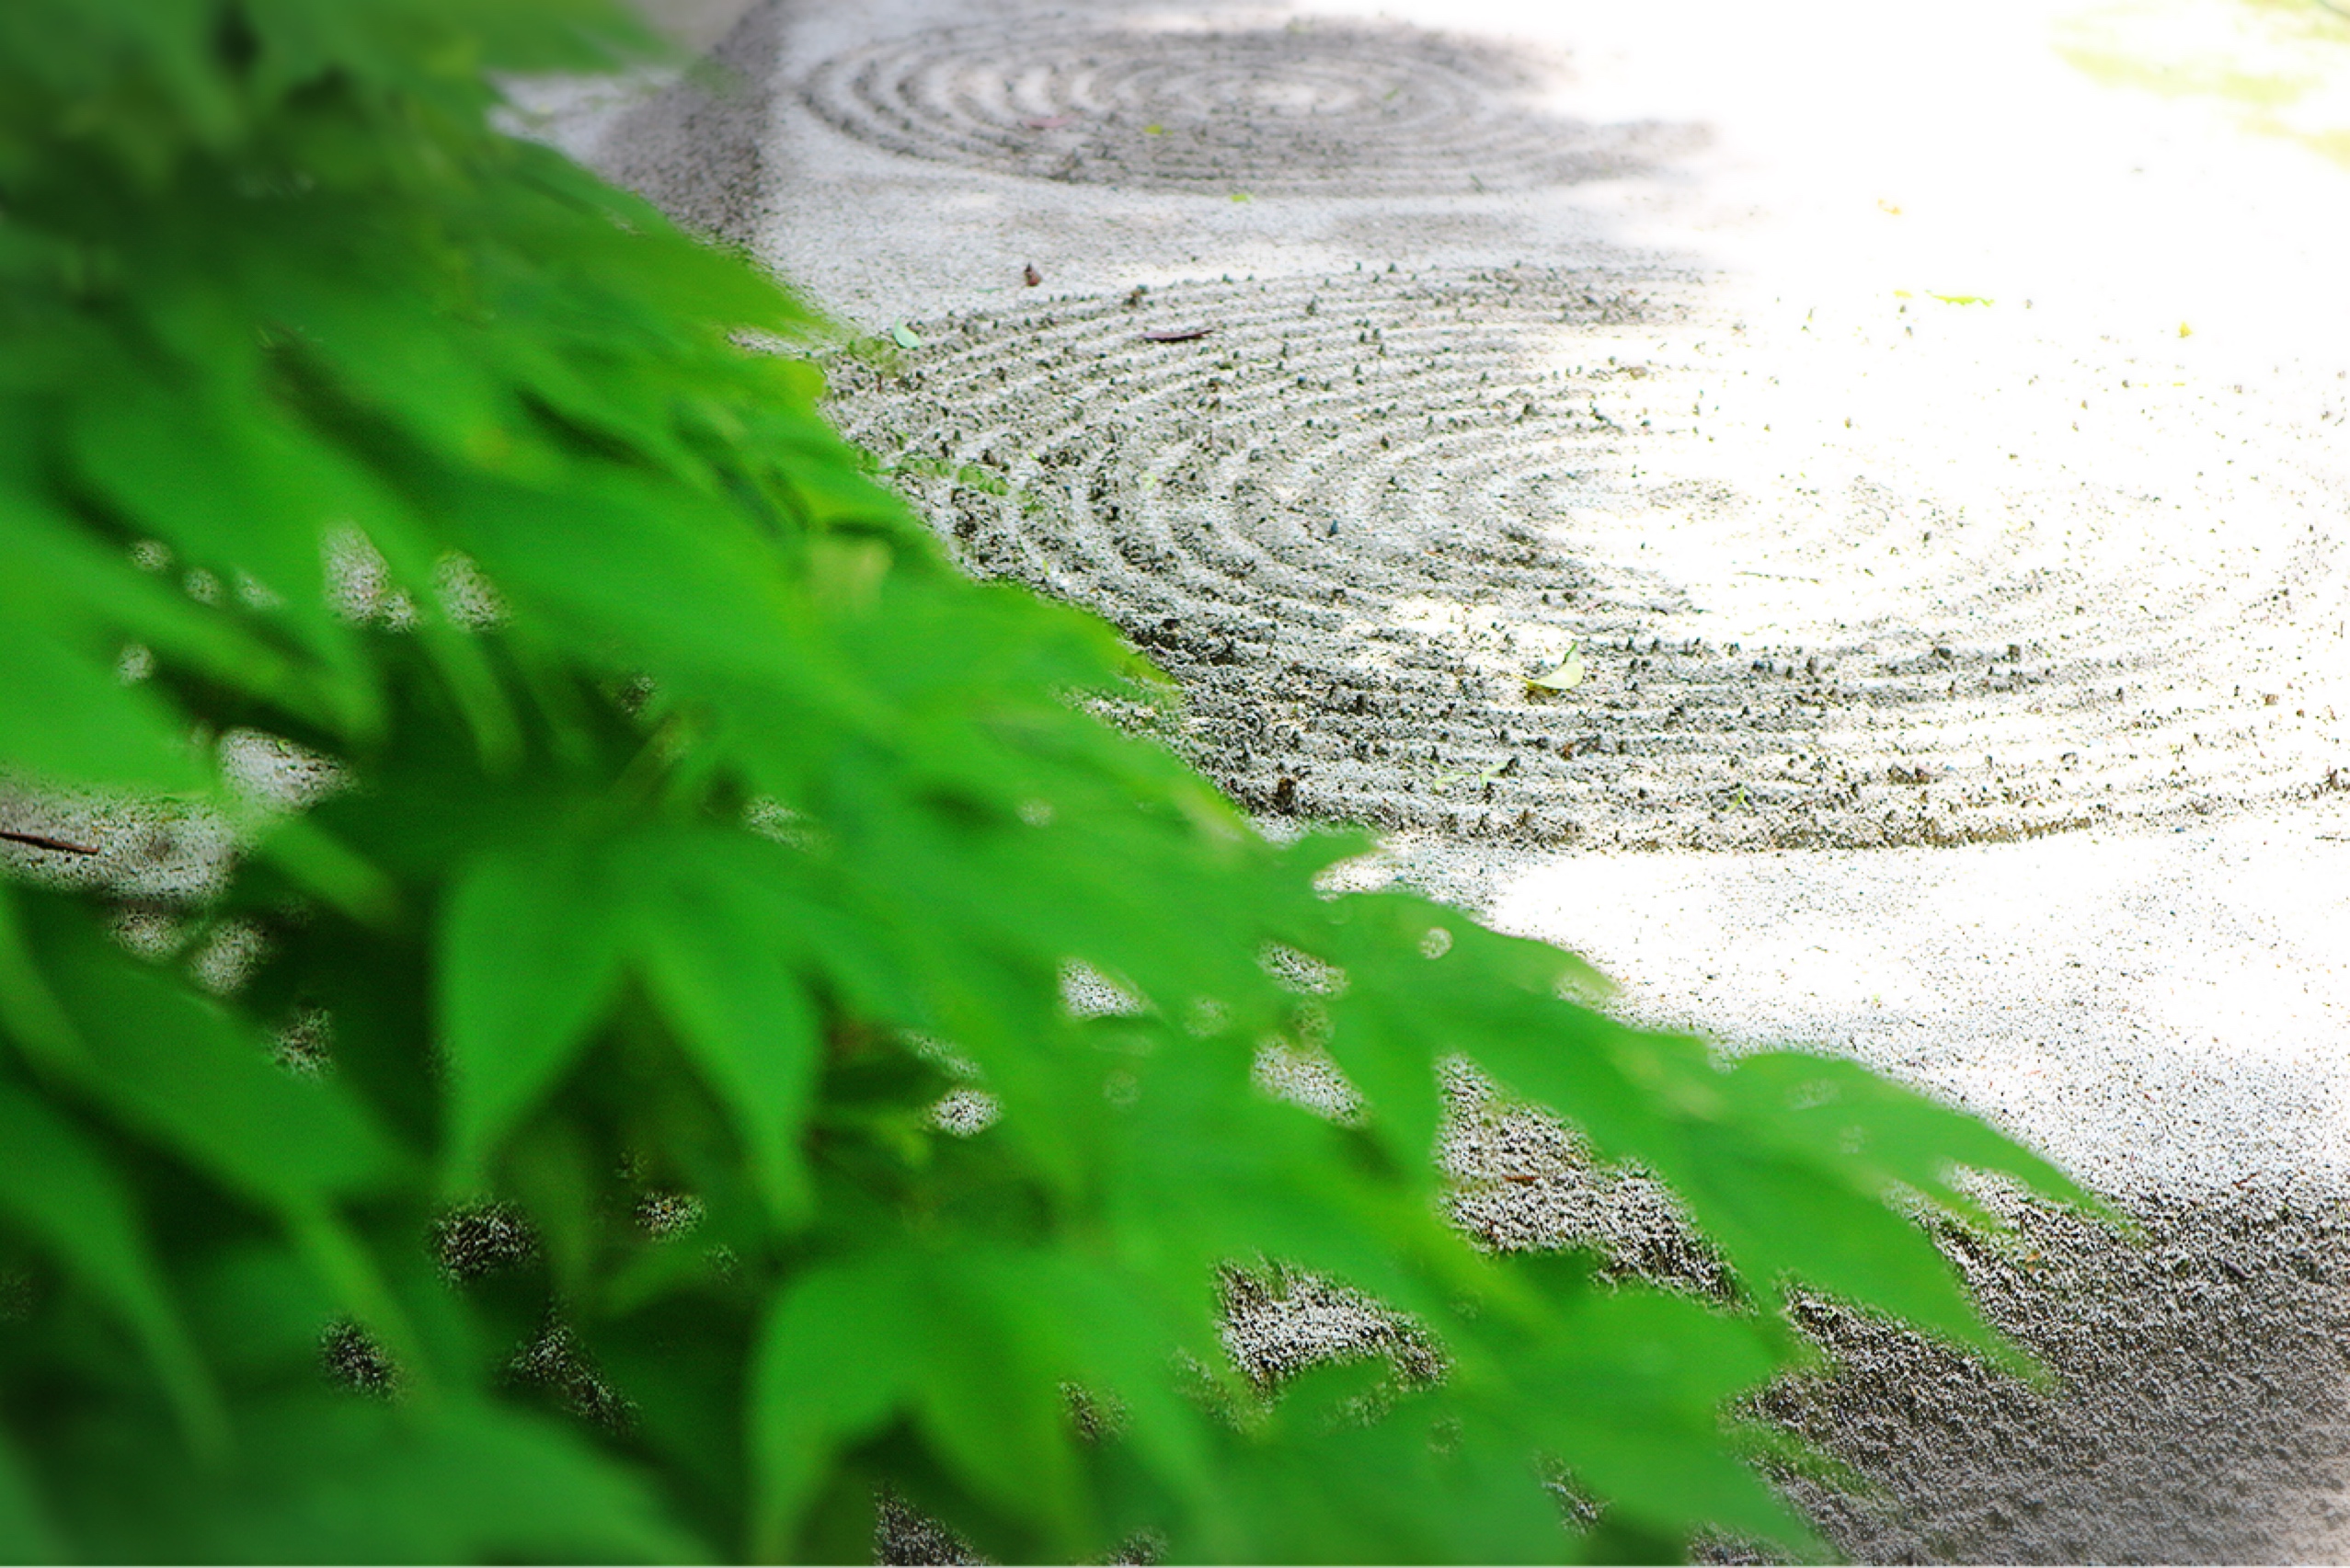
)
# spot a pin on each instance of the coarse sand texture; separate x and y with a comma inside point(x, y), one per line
point(1834, 512)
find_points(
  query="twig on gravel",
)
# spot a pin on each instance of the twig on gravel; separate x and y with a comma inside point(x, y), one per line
point(42, 841)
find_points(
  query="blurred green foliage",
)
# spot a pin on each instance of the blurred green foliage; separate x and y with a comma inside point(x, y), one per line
point(551, 1168)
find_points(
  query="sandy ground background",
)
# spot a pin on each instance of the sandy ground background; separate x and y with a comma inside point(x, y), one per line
point(1920, 432)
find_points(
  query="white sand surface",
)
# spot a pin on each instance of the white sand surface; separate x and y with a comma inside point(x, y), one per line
point(1928, 427)
point(2164, 1013)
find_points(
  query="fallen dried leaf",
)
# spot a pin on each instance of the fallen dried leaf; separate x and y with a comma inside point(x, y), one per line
point(1566, 677)
point(1030, 276)
point(1176, 334)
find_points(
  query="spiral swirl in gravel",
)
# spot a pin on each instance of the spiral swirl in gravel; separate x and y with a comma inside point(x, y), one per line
point(1320, 111)
point(1355, 517)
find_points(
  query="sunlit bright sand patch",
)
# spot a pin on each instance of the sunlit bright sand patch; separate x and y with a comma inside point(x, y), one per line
point(2163, 1014)
point(2278, 67)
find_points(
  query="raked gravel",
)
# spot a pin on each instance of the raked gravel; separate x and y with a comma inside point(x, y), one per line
point(1936, 459)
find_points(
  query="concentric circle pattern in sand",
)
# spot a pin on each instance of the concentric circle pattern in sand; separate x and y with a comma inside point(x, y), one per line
point(1357, 514)
point(1296, 109)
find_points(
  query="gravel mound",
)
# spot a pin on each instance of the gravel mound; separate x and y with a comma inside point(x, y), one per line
point(1350, 110)
point(1363, 517)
